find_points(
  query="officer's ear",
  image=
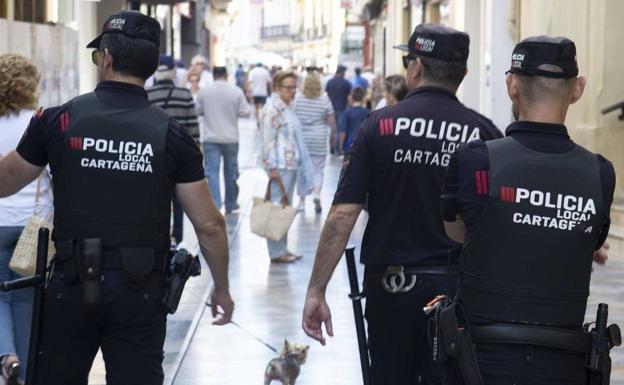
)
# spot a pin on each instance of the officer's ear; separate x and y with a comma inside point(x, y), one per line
point(107, 59)
point(512, 87)
point(577, 89)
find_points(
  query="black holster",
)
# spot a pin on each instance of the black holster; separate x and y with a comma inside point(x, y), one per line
point(90, 271)
point(183, 266)
point(452, 341)
point(81, 261)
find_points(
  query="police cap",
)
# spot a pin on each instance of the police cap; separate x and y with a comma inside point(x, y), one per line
point(535, 51)
point(132, 24)
point(438, 42)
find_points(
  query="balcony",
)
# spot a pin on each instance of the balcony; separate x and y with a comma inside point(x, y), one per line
point(275, 31)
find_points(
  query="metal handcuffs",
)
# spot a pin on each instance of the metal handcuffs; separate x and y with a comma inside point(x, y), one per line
point(394, 280)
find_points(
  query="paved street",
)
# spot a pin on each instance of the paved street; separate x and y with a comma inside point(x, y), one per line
point(269, 300)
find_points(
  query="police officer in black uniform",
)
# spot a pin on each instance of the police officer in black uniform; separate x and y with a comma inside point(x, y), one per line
point(534, 207)
point(116, 161)
point(399, 159)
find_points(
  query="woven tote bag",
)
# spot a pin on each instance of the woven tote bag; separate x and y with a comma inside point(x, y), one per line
point(24, 258)
point(270, 220)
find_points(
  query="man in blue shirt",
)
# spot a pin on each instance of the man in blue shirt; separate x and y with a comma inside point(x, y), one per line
point(358, 80)
point(338, 90)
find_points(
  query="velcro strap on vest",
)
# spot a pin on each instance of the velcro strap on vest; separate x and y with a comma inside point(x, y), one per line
point(532, 335)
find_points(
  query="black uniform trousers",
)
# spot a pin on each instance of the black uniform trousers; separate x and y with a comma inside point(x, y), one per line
point(524, 365)
point(398, 336)
point(129, 326)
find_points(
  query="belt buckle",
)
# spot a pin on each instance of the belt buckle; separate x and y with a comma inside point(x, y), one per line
point(394, 281)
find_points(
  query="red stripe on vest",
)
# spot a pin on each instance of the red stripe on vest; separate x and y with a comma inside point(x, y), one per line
point(485, 180)
point(478, 182)
point(64, 121)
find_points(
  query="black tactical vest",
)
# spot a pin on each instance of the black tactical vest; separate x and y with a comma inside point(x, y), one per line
point(112, 181)
point(529, 259)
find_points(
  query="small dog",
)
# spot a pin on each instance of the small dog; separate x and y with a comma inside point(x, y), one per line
point(287, 366)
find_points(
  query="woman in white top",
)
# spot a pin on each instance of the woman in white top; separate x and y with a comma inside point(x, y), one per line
point(19, 81)
point(316, 114)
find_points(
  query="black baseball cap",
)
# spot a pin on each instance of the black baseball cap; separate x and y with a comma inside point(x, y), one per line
point(438, 42)
point(535, 51)
point(132, 24)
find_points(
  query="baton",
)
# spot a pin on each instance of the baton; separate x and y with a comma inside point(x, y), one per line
point(37, 281)
point(356, 298)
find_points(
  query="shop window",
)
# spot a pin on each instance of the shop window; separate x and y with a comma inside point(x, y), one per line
point(33, 11)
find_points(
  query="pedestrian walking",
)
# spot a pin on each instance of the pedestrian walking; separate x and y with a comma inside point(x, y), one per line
point(398, 160)
point(283, 152)
point(528, 264)
point(116, 161)
point(193, 84)
point(352, 119)
point(316, 114)
point(358, 80)
point(178, 103)
point(338, 90)
point(241, 77)
point(199, 65)
point(395, 90)
point(260, 80)
point(19, 80)
point(220, 105)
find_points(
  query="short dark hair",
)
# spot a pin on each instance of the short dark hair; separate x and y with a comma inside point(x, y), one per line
point(538, 88)
point(134, 57)
point(447, 73)
point(357, 94)
point(358, 71)
point(219, 72)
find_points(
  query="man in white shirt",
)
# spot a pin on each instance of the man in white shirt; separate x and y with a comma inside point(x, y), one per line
point(260, 80)
point(220, 105)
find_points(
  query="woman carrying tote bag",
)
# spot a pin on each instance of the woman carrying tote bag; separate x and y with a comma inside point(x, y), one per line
point(19, 81)
point(283, 153)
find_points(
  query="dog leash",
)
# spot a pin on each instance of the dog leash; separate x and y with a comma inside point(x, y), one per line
point(250, 334)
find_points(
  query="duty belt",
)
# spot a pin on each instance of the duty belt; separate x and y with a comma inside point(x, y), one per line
point(549, 337)
point(111, 257)
point(401, 279)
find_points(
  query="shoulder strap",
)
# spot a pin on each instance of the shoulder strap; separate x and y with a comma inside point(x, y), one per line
point(168, 98)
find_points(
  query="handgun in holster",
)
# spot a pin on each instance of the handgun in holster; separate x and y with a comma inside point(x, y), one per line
point(452, 341)
point(603, 339)
point(90, 270)
point(183, 266)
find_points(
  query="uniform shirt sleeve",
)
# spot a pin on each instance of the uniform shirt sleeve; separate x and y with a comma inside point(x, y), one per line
point(354, 185)
point(184, 155)
point(43, 125)
point(607, 177)
point(466, 185)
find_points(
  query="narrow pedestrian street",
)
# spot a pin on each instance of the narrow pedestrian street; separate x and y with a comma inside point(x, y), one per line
point(269, 300)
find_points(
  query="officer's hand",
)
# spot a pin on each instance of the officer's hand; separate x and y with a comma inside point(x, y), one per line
point(601, 255)
point(221, 299)
point(274, 174)
point(315, 313)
